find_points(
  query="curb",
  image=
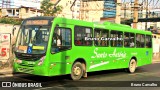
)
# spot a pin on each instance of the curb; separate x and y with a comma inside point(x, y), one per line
point(8, 72)
point(11, 75)
point(155, 61)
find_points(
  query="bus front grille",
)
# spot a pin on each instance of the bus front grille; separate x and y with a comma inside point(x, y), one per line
point(25, 70)
point(27, 65)
point(28, 57)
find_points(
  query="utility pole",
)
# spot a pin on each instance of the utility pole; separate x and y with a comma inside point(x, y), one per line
point(125, 11)
point(135, 16)
point(146, 14)
point(118, 12)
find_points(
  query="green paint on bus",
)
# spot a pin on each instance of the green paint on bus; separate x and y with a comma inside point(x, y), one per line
point(50, 46)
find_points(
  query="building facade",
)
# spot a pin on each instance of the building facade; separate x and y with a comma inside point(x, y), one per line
point(89, 10)
point(19, 8)
point(127, 11)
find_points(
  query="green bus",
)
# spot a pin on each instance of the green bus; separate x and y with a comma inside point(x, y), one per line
point(52, 46)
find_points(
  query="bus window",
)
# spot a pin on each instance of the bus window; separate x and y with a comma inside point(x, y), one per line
point(132, 39)
point(116, 39)
point(102, 35)
point(61, 39)
point(129, 39)
point(105, 35)
point(148, 41)
point(126, 39)
point(140, 40)
point(80, 34)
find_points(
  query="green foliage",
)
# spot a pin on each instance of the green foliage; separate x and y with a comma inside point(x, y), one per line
point(49, 9)
point(7, 20)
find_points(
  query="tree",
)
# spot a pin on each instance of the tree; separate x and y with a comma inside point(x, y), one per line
point(49, 8)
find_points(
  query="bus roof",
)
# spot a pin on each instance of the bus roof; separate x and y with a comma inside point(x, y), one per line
point(105, 25)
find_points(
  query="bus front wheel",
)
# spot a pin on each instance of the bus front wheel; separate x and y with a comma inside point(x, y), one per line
point(77, 71)
point(132, 66)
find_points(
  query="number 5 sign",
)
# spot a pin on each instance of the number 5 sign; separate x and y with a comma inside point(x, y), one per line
point(4, 45)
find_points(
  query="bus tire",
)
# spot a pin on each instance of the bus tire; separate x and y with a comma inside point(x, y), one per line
point(132, 66)
point(77, 71)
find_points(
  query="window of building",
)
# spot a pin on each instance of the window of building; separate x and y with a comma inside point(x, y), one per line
point(102, 35)
point(81, 36)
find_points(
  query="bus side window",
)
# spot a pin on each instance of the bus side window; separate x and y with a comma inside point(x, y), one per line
point(101, 35)
point(80, 34)
point(138, 40)
point(113, 36)
point(148, 41)
point(61, 39)
point(97, 34)
point(120, 40)
point(126, 39)
point(132, 39)
point(78, 41)
point(142, 41)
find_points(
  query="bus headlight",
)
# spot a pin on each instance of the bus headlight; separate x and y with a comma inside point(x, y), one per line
point(41, 60)
point(18, 61)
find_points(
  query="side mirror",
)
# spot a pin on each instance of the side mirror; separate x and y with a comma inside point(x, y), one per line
point(14, 28)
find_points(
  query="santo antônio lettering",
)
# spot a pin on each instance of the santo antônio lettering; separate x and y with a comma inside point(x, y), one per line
point(104, 54)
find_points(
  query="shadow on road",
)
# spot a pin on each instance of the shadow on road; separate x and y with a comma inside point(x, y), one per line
point(67, 77)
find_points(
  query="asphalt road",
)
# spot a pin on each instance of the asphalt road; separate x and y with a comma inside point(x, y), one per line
point(103, 80)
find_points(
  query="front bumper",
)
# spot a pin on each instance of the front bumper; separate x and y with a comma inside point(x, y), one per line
point(35, 70)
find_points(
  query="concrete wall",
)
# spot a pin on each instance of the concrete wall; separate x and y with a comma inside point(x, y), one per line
point(7, 28)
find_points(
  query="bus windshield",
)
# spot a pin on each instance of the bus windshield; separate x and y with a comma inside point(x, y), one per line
point(32, 39)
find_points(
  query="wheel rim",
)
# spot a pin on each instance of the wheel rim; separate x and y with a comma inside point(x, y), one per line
point(132, 66)
point(77, 71)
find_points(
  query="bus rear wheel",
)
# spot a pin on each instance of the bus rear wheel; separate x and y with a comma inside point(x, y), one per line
point(132, 66)
point(77, 71)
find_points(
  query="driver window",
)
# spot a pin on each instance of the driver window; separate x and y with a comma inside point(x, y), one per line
point(61, 40)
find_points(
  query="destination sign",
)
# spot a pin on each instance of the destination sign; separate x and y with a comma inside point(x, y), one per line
point(37, 22)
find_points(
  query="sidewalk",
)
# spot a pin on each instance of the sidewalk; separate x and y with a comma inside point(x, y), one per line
point(156, 58)
point(8, 72)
